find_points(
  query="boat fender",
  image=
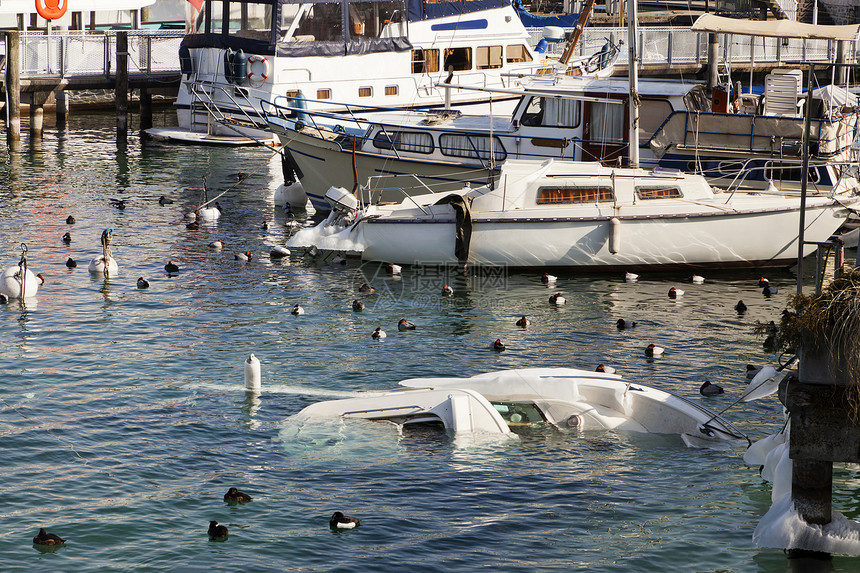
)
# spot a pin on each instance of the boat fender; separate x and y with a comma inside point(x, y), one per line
point(299, 102)
point(614, 235)
point(258, 66)
point(239, 67)
point(252, 373)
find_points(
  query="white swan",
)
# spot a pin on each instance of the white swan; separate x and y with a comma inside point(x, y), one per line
point(12, 285)
point(104, 263)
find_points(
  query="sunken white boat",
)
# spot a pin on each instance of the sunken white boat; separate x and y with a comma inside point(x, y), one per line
point(582, 215)
point(504, 401)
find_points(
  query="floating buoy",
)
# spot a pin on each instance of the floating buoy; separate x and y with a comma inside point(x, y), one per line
point(614, 235)
point(252, 373)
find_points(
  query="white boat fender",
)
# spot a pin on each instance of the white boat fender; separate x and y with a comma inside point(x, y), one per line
point(252, 373)
point(614, 235)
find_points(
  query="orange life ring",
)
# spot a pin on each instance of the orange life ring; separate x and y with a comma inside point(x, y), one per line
point(51, 9)
point(264, 74)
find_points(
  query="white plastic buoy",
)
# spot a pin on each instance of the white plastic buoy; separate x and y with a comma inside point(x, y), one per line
point(252, 373)
point(294, 194)
point(11, 283)
point(209, 214)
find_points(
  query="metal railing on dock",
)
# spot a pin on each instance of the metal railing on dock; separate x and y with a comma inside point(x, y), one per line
point(83, 57)
point(667, 47)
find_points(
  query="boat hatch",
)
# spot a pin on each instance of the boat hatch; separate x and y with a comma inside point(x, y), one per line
point(519, 413)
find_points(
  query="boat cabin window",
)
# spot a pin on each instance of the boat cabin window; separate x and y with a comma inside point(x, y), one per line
point(323, 93)
point(473, 146)
point(561, 195)
point(321, 23)
point(216, 23)
point(249, 20)
point(519, 413)
point(552, 112)
point(458, 58)
point(414, 141)
point(488, 57)
point(425, 61)
point(367, 19)
point(607, 122)
point(652, 114)
point(518, 54)
point(391, 90)
point(658, 192)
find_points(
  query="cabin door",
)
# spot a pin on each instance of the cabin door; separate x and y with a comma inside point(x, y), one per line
point(605, 130)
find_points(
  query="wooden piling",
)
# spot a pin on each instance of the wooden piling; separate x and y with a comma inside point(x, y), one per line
point(36, 100)
point(121, 90)
point(145, 109)
point(13, 90)
point(63, 106)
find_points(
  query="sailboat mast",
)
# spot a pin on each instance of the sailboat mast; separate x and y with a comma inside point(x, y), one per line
point(633, 74)
point(577, 32)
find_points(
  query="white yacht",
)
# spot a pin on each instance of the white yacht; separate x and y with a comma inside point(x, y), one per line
point(581, 215)
point(372, 52)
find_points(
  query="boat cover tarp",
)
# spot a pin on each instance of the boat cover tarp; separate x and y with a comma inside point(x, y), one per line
point(731, 132)
point(530, 20)
point(421, 10)
point(462, 208)
point(774, 28)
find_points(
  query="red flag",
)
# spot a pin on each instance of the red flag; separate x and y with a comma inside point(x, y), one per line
point(198, 4)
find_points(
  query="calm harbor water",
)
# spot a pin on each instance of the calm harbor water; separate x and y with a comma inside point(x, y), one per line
point(124, 419)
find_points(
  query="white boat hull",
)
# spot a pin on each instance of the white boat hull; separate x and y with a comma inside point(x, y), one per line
point(757, 239)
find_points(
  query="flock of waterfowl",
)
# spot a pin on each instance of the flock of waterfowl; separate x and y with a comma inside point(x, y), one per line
point(106, 264)
point(216, 531)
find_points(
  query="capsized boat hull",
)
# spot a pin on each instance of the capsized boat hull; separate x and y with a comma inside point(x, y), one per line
point(567, 398)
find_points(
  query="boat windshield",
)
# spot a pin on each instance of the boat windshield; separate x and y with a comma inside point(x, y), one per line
point(519, 413)
point(326, 22)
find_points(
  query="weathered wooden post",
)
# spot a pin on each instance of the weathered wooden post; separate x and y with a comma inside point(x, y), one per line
point(37, 113)
point(121, 84)
point(63, 106)
point(145, 109)
point(13, 90)
point(822, 400)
